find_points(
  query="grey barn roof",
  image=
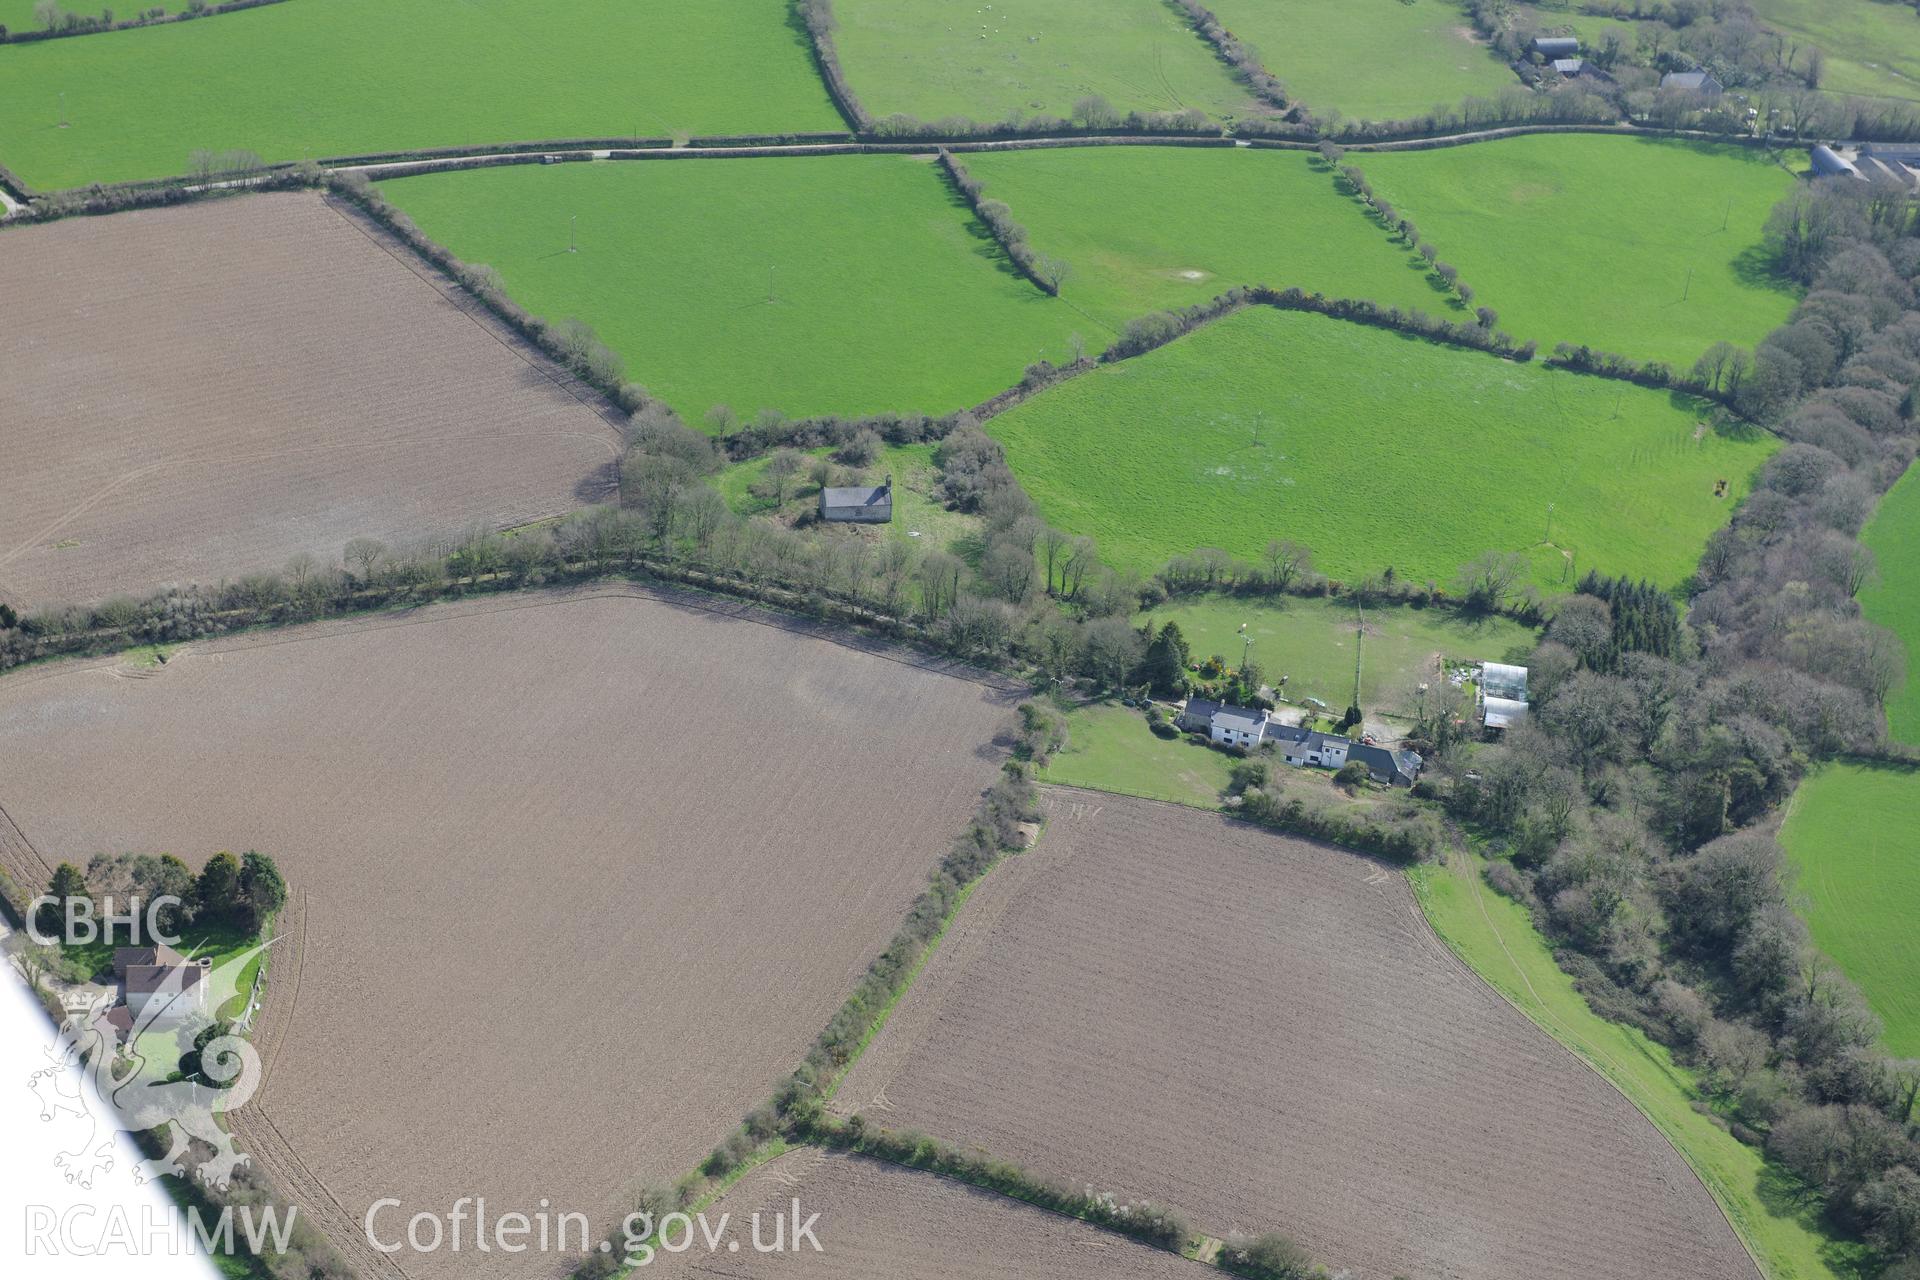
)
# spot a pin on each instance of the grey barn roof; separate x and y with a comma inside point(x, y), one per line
point(1556, 46)
point(1699, 80)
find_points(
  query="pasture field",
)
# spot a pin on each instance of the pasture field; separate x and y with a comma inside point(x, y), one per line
point(1894, 601)
point(499, 823)
point(825, 284)
point(1335, 1065)
point(350, 77)
point(1495, 937)
point(1037, 57)
point(1110, 748)
point(1148, 228)
point(201, 392)
point(879, 1221)
point(1853, 835)
point(1872, 46)
point(919, 517)
point(1371, 59)
point(1311, 642)
point(1648, 247)
point(1374, 449)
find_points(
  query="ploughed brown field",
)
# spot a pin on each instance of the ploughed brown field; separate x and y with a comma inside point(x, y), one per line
point(196, 393)
point(881, 1222)
point(578, 876)
point(1263, 1033)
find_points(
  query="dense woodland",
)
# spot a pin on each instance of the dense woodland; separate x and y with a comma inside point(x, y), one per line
point(1639, 808)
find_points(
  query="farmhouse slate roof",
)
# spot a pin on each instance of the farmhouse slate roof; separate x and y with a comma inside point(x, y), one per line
point(1198, 712)
point(127, 958)
point(145, 979)
point(1239, 718)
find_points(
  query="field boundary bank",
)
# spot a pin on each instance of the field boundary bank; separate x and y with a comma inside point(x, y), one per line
point(455, 607)
point(394, 164)
point(92, 26)
point(474, 309)
point(1473, 877)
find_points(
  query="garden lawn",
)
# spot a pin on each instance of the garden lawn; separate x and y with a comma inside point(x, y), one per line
point(825, 284)
point(935, 58)
point(1148, 228)
point(347, 77)
point(1894, 601)
point(1612, 243)
point(1311, 642)
point(1374, 449)
point(1372, 59)
point(1494, 936)
point(918, 516)
point(1854, 834)
point(1110, 748)
point(1872, 46)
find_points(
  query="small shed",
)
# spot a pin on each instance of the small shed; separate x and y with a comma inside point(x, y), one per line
point(1551, 47)
point(858, 505)
point(1568, 67)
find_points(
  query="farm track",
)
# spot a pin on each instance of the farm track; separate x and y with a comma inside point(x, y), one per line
point(573, 152)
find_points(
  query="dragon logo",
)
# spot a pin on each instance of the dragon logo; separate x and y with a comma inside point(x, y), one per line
point(121, 1068)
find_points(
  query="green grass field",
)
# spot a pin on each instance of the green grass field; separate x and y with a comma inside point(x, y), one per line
point(1373, 59)
point(346, 77)
point(1110, 748)
point(1146, 228)
point(1311, 642)
point(1617, 243)
point(1373, 449)
point(1854, 834)
point(1495, 937)
point(1872, 46)
point(931, 59)
point(885, 293)
point(1894, 601)
point(918, 517)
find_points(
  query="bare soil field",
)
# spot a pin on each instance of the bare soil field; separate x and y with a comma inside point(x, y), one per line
point(578, 876)
point(881, 1222)
point(200, 392)
point(1264, 1033)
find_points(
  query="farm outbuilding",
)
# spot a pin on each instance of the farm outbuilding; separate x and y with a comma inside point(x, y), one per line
point(1828, 163)
point(1551, 47)
point(1700, 82)
point(860, 504)
point(1503, 695)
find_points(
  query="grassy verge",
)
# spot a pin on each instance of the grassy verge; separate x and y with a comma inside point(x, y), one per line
point(1496, 938)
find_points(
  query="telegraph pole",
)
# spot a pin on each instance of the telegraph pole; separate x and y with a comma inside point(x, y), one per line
point(573, 239)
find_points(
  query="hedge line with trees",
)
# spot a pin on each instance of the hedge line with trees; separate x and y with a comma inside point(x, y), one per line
point(1242, 57)
point(818, 18)
point(1044, 270)
point(56, 22)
